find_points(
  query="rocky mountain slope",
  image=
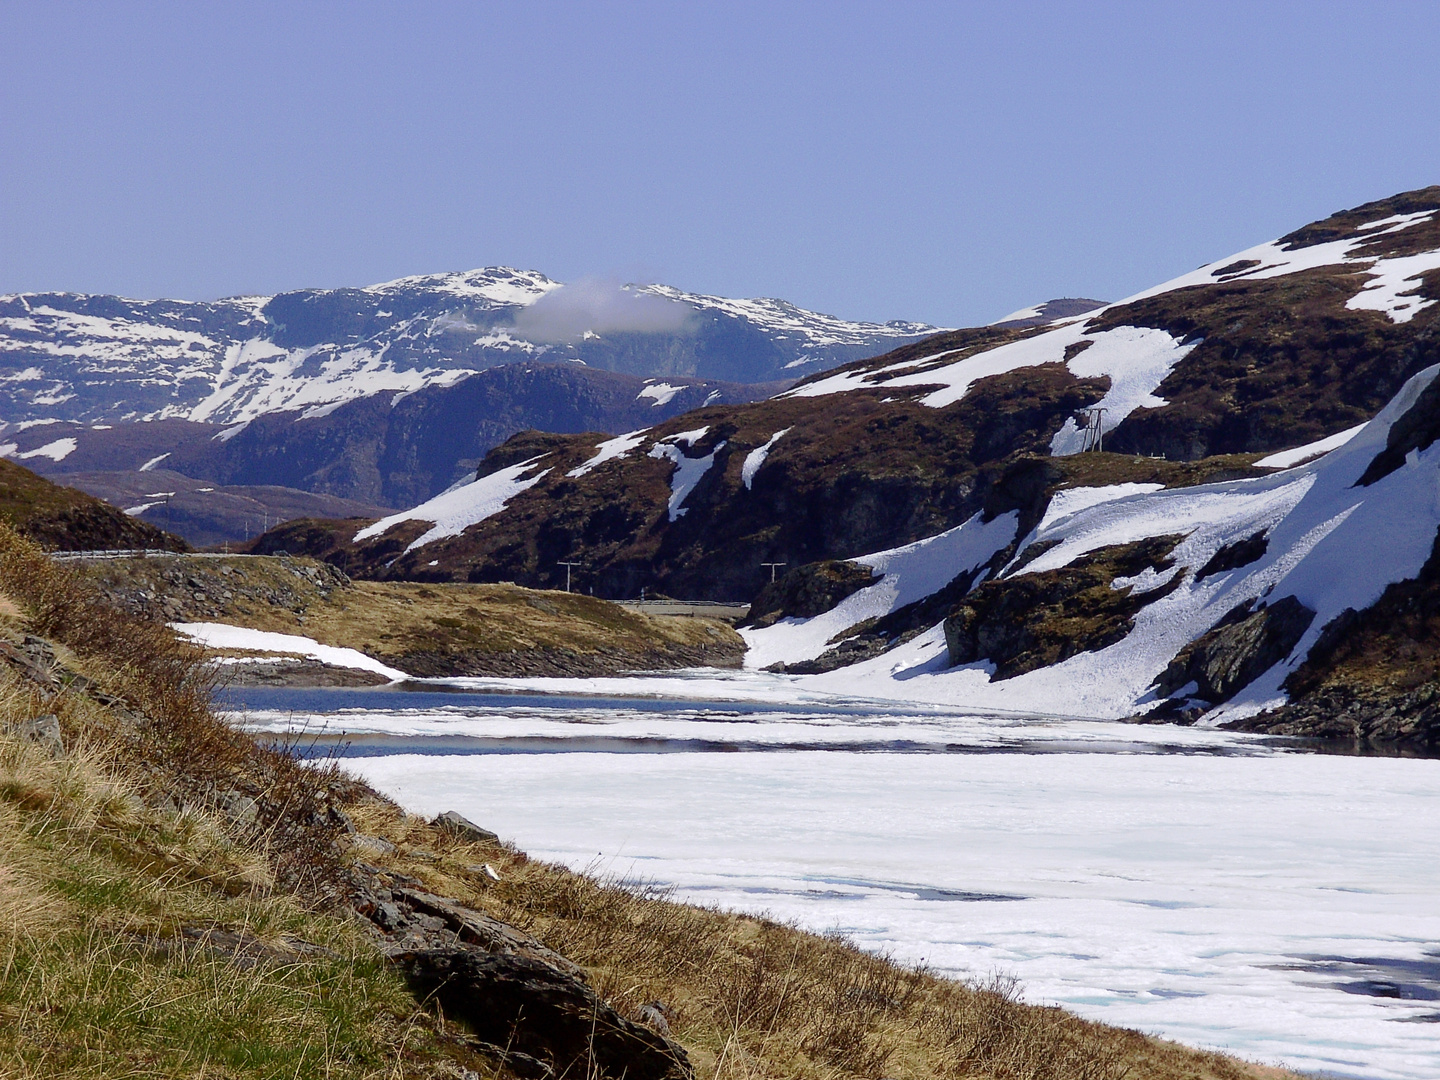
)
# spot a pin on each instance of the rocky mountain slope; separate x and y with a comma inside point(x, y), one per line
point(103, 359)
point(63, 519)
point(960, 461)
point(360, 458)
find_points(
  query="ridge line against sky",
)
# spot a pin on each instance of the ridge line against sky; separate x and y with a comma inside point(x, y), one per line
point(940, 162)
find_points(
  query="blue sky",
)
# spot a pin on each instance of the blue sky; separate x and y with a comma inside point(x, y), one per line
point(945, 162)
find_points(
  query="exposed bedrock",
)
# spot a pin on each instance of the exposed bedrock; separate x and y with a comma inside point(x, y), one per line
point(1023, 623)
point(809, 590)
point(1237, 650)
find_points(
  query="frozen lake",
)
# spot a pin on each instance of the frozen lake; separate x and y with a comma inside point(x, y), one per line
point(1226, 891)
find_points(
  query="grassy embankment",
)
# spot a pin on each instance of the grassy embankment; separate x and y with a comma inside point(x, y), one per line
point(157, 920)
point(422, 629)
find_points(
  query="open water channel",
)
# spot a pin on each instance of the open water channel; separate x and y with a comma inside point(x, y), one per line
point(1228, 891)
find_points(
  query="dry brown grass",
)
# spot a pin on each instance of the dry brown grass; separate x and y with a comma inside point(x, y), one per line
point(425, 629)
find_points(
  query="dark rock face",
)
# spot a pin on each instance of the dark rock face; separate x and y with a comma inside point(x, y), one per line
point(1035, 620)
point(1233, 556)
point(1364, 716)
point(809, 590)
point(1415, 430)
point(1238, 650)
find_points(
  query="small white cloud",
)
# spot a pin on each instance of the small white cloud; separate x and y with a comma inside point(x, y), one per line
point(594, 307)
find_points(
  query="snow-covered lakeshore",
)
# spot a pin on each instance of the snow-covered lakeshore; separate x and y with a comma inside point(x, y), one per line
point(1222, 890)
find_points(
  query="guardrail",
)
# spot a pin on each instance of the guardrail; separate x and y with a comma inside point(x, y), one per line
point(146, 553)
point(709, 609)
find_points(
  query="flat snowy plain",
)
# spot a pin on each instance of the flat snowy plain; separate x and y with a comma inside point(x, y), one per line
point(1223, 890)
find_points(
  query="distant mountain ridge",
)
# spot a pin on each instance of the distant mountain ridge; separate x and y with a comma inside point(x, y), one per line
point(106, 359)
point(358, 458)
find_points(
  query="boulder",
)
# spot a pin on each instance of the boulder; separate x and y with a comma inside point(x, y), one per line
point(528, 1005)
point(461, 826)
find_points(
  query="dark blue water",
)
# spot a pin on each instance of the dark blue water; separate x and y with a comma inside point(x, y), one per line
point(418, 695)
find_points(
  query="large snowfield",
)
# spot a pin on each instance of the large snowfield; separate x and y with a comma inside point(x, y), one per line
point(1213, 888)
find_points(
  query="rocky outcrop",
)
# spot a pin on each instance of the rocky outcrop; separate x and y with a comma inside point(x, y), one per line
point(530, 1008)
point(809, 590)
point(1365, 717)
point(1035, 620)
point(1241, 647)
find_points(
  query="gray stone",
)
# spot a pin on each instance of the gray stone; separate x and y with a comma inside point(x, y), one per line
point(45, 730)
point(464, 828)
point(527, 1004)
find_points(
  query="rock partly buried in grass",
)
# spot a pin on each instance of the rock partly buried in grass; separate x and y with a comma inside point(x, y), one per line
point(531, 1006)
point(45, 730)
point(461, 826)
point(509, 988)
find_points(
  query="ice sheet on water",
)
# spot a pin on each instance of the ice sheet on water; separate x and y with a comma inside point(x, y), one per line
point(1182, 895)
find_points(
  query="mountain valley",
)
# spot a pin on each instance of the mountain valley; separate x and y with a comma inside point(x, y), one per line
point(1245, 410)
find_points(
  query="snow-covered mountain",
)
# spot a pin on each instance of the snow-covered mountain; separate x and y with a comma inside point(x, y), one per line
point(950, 529)
point(105, 359)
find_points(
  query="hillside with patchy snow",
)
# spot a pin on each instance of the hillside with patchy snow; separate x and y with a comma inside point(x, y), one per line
point(70, 356)
point(948, 531)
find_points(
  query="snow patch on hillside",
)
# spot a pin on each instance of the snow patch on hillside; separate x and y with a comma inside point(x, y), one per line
point(222, 636)
point(1294, 456)
point(457, 509)
point(660, 392)
point(609, 450)
point(58, 450)
point(688, 471)
point(1393, 284)
point(1135, 359)
point(755, 458)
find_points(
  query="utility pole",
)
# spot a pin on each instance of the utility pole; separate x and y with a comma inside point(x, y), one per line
point(568, 566)
point(773, 567)
point(1094, 429)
